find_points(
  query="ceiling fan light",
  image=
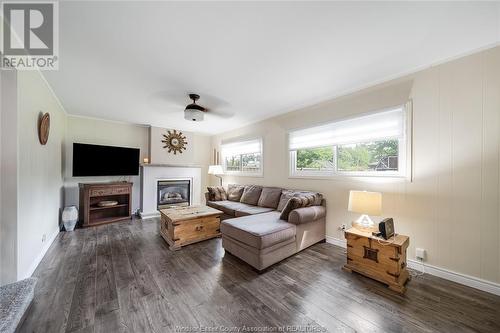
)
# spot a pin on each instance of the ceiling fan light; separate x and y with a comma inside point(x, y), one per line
point(193, 114)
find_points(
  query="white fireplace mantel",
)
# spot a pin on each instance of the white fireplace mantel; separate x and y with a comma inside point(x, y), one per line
point(152, 173)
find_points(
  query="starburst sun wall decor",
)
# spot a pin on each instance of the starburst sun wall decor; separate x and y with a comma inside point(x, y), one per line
point(174, 142)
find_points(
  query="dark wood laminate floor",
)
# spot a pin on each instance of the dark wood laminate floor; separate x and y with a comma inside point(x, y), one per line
point(123, 278)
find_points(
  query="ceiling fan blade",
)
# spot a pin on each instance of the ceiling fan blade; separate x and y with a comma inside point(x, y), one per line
point(220, 113)
point(167, 102)
point(212, 102)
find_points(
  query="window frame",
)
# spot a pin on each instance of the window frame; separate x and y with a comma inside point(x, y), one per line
point(404, 154)
point(240, 172)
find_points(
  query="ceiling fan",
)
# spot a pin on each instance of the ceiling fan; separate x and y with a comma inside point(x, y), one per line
point(173, 100)
point(193, 111)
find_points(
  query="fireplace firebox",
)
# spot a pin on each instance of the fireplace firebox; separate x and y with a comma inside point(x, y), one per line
point(174, 192)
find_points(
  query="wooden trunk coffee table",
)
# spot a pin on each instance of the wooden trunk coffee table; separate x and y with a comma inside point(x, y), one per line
point(182, 226)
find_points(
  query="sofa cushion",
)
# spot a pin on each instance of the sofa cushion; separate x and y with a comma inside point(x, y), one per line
point(306, 214)
point(216, 205)
point(269, 197)
point(251, 194)
point(234, 192)
point(216, 193)
point(251, 210)
point(287, 194)
point(259, 231)
point(231, 207)
point(228, 207)
point(295, 202)
point(213, 204)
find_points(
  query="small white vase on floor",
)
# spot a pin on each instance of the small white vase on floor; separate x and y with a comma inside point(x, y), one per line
point(70, 217)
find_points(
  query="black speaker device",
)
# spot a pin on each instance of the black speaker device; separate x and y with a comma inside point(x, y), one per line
point(386, 228)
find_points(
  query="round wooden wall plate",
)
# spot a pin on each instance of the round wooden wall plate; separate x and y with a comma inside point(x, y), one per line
point(44, 128)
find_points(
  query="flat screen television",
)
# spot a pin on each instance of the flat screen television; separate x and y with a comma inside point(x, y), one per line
point(96, 160)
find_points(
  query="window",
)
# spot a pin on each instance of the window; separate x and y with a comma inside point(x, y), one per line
point(243, 157)
point(311, 161)
point(233, 163)
point(374, 145)
point(381, 155)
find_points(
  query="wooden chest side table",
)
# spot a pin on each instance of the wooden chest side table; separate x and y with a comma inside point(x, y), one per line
point(377, 258)
point(181, 226)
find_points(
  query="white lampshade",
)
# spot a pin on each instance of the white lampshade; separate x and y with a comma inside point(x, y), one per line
point(215, 170)
point(193, 115)
point(363, 202)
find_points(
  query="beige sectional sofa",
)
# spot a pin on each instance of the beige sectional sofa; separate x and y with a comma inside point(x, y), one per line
point(254, 230)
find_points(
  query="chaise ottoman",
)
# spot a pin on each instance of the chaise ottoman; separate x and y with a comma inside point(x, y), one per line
point(260, 240)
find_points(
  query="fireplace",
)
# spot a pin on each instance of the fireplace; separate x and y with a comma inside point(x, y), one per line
point(152, 173)
point(173, 192)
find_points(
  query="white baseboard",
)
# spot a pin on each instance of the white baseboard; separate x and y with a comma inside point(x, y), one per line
point(146, 216)
point(336, 241)
point(40, 256)
point(466, 280)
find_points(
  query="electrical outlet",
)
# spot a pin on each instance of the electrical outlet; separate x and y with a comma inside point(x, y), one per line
point(420, 254)
point(343, 227)
point(44, 237)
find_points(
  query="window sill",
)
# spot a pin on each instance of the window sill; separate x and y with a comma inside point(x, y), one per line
point(237, 174)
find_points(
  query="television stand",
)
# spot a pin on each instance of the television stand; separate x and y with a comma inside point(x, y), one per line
point(91, 194)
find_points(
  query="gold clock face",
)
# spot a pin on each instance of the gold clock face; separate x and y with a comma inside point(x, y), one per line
point(174, 142)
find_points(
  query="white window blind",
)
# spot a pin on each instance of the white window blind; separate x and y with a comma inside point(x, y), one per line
point(241, 147)
point(381, 125)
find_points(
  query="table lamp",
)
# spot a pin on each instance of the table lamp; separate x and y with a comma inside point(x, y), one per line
point(365, 203)
point(216, 170)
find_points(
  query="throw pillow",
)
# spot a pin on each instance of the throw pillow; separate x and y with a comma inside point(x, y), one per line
point(216, 193)
point(234, 192)
point(317, 197)
point(269, 197)
point(287, 194)
point(297, 202)
point(251, 194)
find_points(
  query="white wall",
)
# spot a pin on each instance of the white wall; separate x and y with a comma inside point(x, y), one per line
point(8, 177)
point(40, 178)
point(102, 132)
point(451, 208)
point(147, 139)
